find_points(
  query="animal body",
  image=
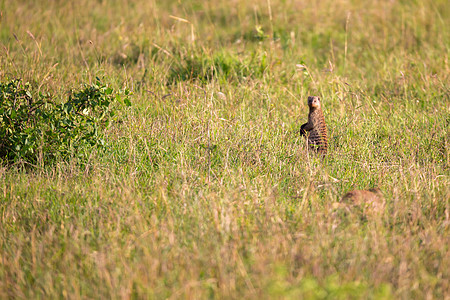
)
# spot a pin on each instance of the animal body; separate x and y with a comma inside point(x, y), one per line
point(316, 127)
point(364, 204)
point(372, 199)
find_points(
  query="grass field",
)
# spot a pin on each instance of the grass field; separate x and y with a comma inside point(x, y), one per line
point(205, 188)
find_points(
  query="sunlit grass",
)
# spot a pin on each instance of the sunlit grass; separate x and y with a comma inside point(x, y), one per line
point(206, 189)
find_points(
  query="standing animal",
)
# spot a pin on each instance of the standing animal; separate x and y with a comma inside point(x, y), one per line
point(317, 137)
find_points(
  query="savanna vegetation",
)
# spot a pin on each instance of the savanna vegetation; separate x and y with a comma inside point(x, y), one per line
point(151, 149)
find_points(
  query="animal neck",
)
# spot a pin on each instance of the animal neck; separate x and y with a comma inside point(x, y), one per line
point(314, 110)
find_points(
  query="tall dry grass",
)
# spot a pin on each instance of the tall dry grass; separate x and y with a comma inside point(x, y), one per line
point(207, 189)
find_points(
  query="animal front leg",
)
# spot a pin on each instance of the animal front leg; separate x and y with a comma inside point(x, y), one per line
point(305, 127)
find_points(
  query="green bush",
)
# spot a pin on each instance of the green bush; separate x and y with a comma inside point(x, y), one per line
point(33, 127)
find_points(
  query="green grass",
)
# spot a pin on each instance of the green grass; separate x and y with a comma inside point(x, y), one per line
point(206, 189)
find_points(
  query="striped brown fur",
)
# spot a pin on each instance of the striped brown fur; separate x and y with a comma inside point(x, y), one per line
point(317, 137)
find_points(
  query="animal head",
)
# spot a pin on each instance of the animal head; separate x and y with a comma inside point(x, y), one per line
point(314, 102)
